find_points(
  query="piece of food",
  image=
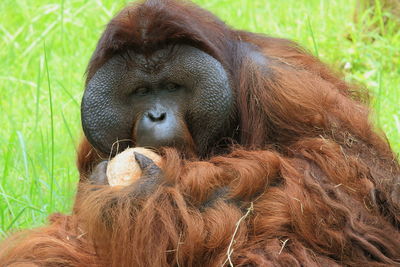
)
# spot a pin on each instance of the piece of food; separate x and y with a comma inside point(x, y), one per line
point(123, 169)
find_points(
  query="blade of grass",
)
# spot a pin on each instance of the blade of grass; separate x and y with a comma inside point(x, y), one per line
point(38, 84)
point(9, 206)
point(70, 95)
point(312, 36)
point(15, 219)
point(68, 129)
point(7, 158)
point(24, 154)
point(51, 128)
point(8, 197)
point(379, 16)
point(379, 99)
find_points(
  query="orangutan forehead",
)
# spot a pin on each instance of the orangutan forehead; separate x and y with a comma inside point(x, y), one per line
point(172, 54)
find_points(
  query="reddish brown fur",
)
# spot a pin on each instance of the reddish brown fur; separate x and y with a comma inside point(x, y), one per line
point(309, 184)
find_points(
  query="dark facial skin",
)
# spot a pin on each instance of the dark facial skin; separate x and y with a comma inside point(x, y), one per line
point(177, 96)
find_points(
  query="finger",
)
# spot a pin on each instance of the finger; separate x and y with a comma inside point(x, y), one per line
point(149, 168)
point(143, 161)
point(99, 174)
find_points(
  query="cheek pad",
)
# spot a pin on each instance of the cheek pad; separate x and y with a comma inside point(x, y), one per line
point(212, 98)
point(104, 118)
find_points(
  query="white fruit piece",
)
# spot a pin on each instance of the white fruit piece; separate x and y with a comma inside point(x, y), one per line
point(123, 169)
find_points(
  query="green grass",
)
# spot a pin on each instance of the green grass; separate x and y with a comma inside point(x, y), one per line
point(45, 46)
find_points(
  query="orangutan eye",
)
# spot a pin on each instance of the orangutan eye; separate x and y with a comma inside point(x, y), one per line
point(171, 87)
point(142, 91)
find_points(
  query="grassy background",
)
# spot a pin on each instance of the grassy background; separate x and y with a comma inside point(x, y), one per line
point(45, 46)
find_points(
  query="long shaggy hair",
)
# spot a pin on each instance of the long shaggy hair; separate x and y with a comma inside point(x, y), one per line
point(310, 182)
